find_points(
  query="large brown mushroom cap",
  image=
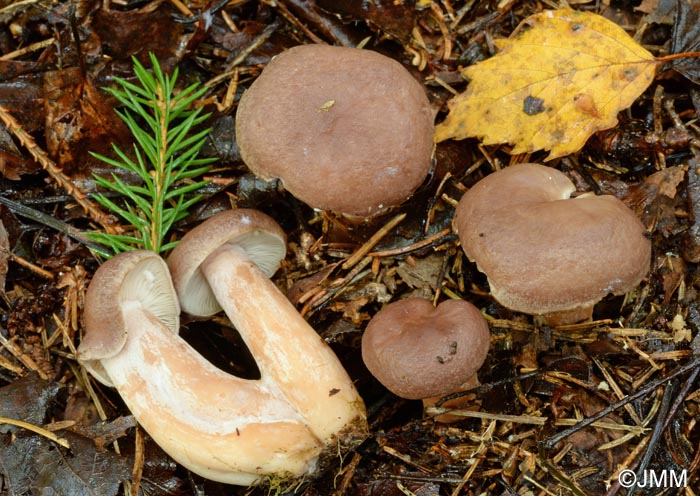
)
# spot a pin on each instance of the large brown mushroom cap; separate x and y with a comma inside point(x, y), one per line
point(544, 252)
point(345, 129)
point(417, 351)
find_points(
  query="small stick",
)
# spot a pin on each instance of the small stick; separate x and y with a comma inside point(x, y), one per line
point(29, 48)
point(675, 56)
point(9, 9)
point(287, 14)
point(184, 9)
point(533, 420)
point(548, 444)
point(26, 360)
point(47, 220)
point(28, 265)
point(433, 202)
point(347, 473)
point(440, 278)
point(413, 246)
point(617, 390)
point(230, 70)
point(55, 172)
point(139, 457)
point(8, 365)
point(37, 430)
point(372, 242)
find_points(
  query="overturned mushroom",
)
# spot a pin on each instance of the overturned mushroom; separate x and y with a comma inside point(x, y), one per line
point(345, 129)
point(545, 253)
point(219, 426)
point(225, 263)
point(418, 351)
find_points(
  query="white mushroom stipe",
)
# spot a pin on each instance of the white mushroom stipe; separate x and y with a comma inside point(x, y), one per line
point(285, 348)
point(220, 426)
point(220, 265)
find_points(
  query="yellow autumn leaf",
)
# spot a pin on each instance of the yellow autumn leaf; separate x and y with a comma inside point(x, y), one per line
point(561, 76)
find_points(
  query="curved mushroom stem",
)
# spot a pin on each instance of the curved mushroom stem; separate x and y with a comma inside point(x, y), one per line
point(287, 350)
point(220, 426)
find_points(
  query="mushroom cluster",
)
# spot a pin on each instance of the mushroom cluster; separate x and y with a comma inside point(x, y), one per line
point(345, 129)
point(350, 131)
point(303, 408)
point(546, 253)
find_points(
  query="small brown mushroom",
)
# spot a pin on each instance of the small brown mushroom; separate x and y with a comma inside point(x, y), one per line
point(345, 129)
point(418, 351)
point(545, 253)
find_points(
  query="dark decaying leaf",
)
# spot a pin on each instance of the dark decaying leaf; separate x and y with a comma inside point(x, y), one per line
point(653, 200)
point(21, 92)
point(393, 18)
point(162, 476)
point(222, 142)
point(657, 11)
point(27, 399)
point(691, 238)
point(102, 434)
point(422, 275)
point(79, 121)
point(12, 163)
point(122, 36)
point(686, 38)
point(31, 464)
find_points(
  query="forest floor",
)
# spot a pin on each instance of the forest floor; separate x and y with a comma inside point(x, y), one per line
point(635, 363)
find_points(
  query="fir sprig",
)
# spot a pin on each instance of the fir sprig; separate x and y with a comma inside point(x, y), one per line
point(166, 159)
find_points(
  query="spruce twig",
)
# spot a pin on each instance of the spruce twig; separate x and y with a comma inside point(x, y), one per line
point(166, 159)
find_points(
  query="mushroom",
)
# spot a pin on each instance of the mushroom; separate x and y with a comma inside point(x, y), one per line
point(418, 351)
point(217, 425)
point(545, 253)
point(345, 129)
point(225, 263)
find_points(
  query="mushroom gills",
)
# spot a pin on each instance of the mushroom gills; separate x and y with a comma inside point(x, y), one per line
point(222, 427)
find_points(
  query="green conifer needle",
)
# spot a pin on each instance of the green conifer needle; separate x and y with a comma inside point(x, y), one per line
point(165, 159)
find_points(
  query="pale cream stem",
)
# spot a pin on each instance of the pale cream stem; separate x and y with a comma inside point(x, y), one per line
point(285, 347)
point(220, 426)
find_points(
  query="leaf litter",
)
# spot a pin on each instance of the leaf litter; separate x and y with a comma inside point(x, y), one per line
point(538, 382)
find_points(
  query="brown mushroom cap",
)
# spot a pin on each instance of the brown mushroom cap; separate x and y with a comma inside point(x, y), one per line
point(137, 275)
point(252, 231)
point(544, 252)
point(417, 351)
point(345, 129)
